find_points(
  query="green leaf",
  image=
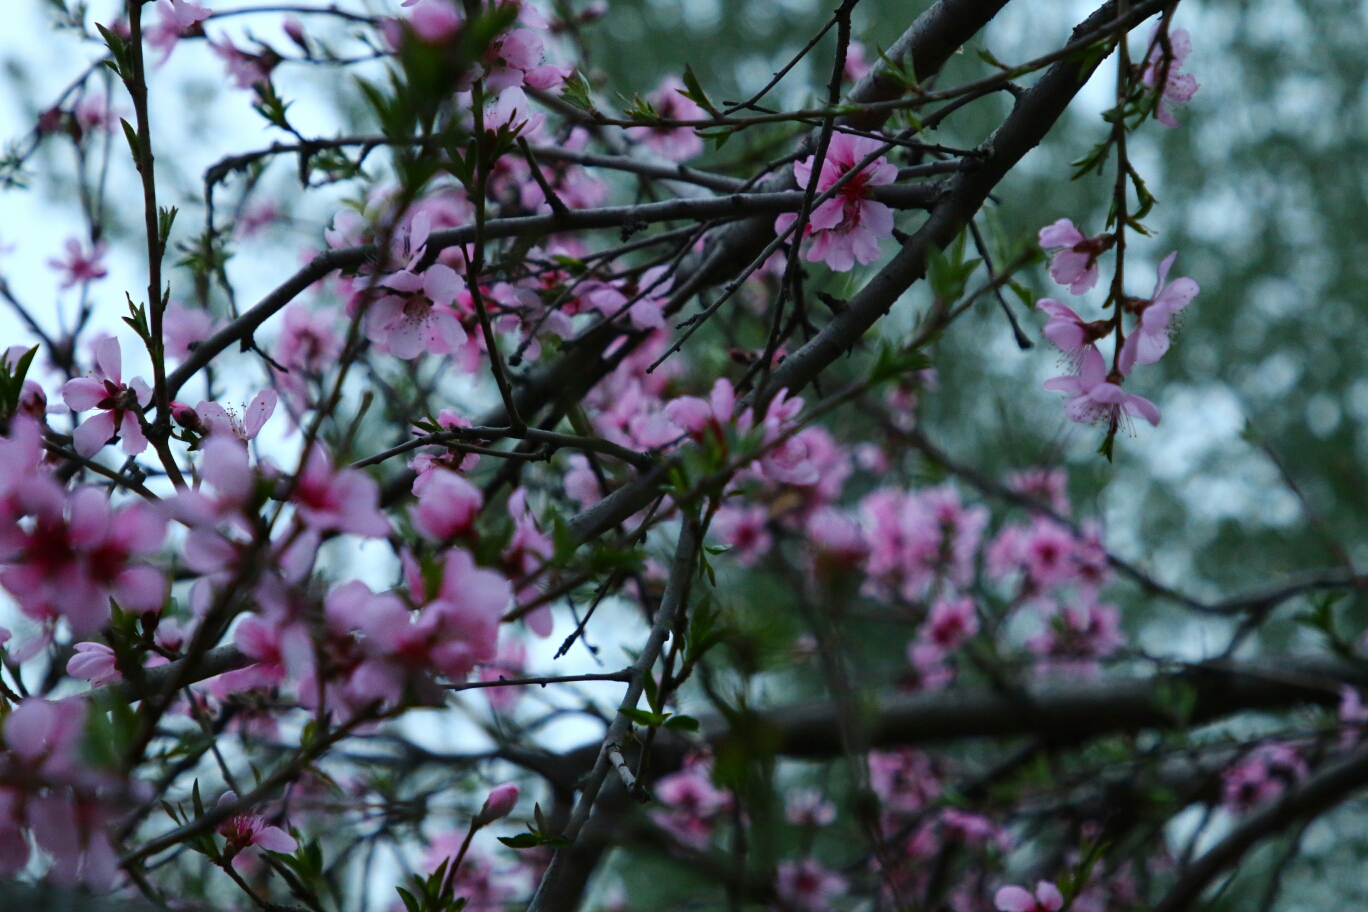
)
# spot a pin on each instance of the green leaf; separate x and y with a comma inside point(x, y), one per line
point(410, 901)
point(681, 723)
point(644, 717)
point(576, 91)
point(131, 135)
point(694, 92)
point(522, 841)
point(893, 363)
point(165, 219)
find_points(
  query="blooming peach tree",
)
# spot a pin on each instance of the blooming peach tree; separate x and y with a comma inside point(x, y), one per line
point(582, 410)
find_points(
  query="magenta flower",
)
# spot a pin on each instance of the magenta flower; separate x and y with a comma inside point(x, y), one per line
point(1095, 395)
point(498, 805)
point(1149, 340)
point(845, 229)
point(1077, 636)
point(80, 266)
point(120, 405)
point(807, 886)
point(950, 624)
point(447, 505)
point(1046, 898)
point(345, 500)
point(745, 531)
point(1261, 776)
point(79, 553)
point(697, 416)
point(904, 780)
point(227, 423)
point(308, 340)
point(245, 829)
point(856, 66)
point(1075, 259)
point(435, 21)
point(1178, 87)
point(675, 143)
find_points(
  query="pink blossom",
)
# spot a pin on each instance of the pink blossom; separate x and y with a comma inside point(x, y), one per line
point(93, 662)
point(807, 808)
point(274, 648)
point(45, 736)
point(1178, 87)
point(509, 663)
point(856, 66)
point(419, 319)
point(1046, 898)
point(513, 111)
point(245, 829)
point(807, 886)
point(691, 802)
point(79, 266)
point(424, 463)
point(1149, 340)
point(120, 405)
point(245, 69)
point(527, 551)
point(227, 423)
point(916, 538)
point(511, 59)
point(951, 623)
point(675, 143)
point(498, 805)
point(79, 553)
point(1353, 716)
point(14, 845)
point(1261, 776)
point(1044, 485)
point(846, 228)
point(698, 416)
point(72, 831)
point(1069, 331)
point(183, 327)
point(903, 779)
point(1077, 636)
point(344, 500)
point(1095, 395)
point(743, 529)
point(465, 611)
point(435, 21)
point(837, 538)
point(447, 505)
point(348, 230)
point(177, 18)
point(1074, 262)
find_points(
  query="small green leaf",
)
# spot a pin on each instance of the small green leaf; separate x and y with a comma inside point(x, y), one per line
point(522, 841)
point(644, 717)
point(681, 723)
point(131, 135)
point(694, 92)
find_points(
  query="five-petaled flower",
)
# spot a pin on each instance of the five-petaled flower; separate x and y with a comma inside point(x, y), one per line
point(80, 266)
point(245, 829)
point(845, 229)
point(1164, 64)
point(1149, 340)
point(1075, 259)
point(1095, 395)
point(120, 404)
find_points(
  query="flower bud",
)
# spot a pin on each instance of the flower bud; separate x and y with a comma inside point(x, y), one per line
point(498, 805)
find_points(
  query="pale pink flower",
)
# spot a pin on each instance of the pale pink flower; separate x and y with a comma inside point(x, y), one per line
point(419, 319)
point(510, 60)
point(227, 423)
point(14, 845)
point(274, 648)
point(1046, 898)
point(513, 111)
point(500, 803)
point(1074, 262)
point(845, 229)
point(245, 829)
point(509, 663)
point(691, 802)
point(344, 500)
point(1149, 340)
point(1095, 395)
point(1077, 635)
point(675, 143)
point(903, 779)
point(93, 662)
point(72, 831)
point(183, 327)
point(45, 736)
point(837, 538)
point(177, 17)
point(744, 530)
point(424, 463)
point(951, 623)
point(697, 416)
point(1044, 485)
point(467, 609)
point(807, 886)
point(245, 69)
point(808, 808)
point(435, 21)
point(447, 505)
point(1067, 330)
point(856, 66)
point(80, 266)
point(1178, 87)
point(120, 404)
point(527, 551)
point(348, 230)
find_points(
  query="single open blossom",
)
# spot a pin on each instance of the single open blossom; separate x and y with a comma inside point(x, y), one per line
point(1178, 87)
point(434, 21)
point(183, 327)
point(1095, 395)
point(856, 65)
point(744, 530)
point(951, 623)
point(245, 69)
point(1149, 339)
point(675, 143)
point(1261, 776)
point(120, 404)
point(1077, 635)
point(348, 230)
point(807, 886)
point(808, 808)
point(80, 266)
point(419, 319)
point(904, 780)
point(245, 829)
point(692, 804)
point(1046, 898)
point(226, 422)
point(45, 737)
point(343, 500)
point(1074, 262)
point(845, 229)
point(176, 18)
point(1070, 332)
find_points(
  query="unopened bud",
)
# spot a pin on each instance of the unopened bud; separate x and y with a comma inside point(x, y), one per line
point(498, 805)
